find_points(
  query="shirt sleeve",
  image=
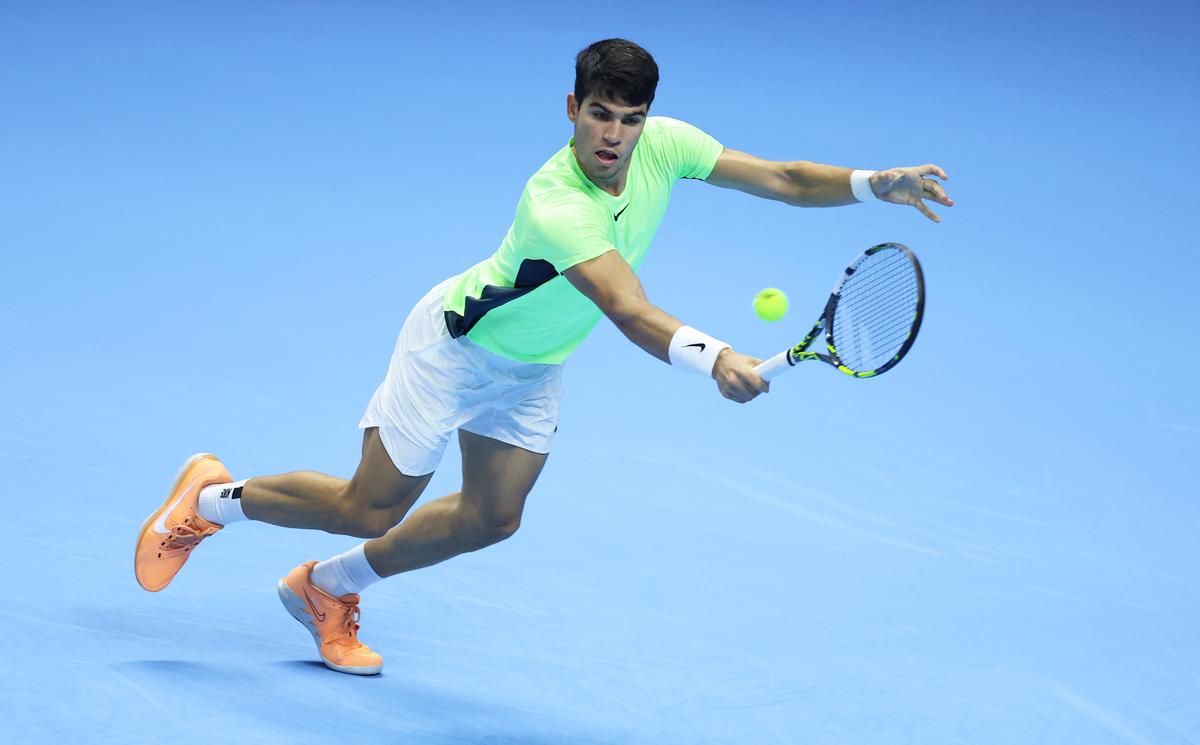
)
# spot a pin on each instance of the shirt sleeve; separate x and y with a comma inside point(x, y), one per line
point(565, 233)
point(688, 151)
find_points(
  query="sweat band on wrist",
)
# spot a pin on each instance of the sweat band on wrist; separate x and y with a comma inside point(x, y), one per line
point(695, 350)
point(860, 185)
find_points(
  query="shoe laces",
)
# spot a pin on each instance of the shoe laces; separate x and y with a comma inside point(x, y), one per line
point(350, 626)
point(187, 534)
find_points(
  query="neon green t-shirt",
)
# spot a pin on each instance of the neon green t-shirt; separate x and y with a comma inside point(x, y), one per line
point(516, 303)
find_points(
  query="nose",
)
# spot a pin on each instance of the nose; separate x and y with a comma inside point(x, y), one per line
point(612, 136)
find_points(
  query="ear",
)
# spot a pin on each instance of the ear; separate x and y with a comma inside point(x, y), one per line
point(572, 107)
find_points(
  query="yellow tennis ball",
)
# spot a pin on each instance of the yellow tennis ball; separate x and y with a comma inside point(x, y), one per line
point(771, 304)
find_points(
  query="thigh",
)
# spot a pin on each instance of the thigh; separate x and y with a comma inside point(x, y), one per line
point(497, 476)
point(378, 483)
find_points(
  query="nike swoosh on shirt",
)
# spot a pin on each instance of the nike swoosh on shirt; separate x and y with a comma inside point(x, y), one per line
point(618, 215)
point(160, 525)
point(697, 344)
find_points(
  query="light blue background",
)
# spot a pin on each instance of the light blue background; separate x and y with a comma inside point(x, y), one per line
point(214, 218)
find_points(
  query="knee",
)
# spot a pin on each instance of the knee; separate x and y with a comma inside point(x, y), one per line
point(374, 524)
point(365, 524)
point(502, 530)
point(487, 528)
point(361, 518)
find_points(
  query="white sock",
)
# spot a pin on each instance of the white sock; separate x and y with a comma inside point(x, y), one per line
point(222, 503)
point(345, 574)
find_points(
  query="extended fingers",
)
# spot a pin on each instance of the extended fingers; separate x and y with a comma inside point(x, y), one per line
point(932, 170)
point(933, 190)
point(915, 193)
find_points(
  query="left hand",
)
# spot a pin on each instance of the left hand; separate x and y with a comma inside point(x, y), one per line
point(908, 186)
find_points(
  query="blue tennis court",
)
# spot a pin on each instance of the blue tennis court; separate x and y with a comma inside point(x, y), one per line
point(217, 218)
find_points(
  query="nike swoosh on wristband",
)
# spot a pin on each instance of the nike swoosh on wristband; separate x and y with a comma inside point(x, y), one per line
point(313, 607)
point(160, 525)
point(697, 344)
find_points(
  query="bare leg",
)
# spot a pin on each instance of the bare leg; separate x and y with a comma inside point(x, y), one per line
point(367, 505)
point(496, 479)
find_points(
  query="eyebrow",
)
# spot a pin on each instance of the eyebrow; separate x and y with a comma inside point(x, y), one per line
point(606, 110)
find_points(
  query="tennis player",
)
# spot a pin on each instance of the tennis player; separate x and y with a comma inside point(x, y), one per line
point(482, 354)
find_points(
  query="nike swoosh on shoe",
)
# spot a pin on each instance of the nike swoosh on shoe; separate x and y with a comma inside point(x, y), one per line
point(313, 607)
point(160, 525)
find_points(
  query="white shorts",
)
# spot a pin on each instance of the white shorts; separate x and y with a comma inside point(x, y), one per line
point(436, 384)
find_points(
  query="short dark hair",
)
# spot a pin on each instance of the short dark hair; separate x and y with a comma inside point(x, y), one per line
point(618, 70)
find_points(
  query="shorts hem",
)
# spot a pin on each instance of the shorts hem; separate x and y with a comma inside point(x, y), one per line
point(506, 440)
point(388, 435)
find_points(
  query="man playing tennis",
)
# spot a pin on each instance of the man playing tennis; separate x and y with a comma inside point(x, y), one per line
point(482, 354)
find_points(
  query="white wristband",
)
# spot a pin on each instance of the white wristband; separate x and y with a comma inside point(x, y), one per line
point(860, 185)
point(695, 350)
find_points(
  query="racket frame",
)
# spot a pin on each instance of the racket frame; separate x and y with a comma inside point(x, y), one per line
point(789, 357)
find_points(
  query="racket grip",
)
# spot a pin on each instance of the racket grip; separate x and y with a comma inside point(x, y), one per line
point(773, 367)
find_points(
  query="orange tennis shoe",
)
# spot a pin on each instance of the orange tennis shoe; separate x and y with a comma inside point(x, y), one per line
point(333, 622)
point(173, 530)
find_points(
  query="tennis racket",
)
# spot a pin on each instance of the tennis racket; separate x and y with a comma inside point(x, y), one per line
point(871, 319)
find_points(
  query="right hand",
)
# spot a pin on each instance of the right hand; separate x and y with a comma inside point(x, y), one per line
point(736, 378)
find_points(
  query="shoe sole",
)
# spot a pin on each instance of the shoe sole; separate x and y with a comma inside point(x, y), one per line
point(166, 502)
point(296, 607)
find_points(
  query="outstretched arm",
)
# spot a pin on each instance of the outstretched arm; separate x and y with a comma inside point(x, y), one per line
point(804, 184)
point(610, 283)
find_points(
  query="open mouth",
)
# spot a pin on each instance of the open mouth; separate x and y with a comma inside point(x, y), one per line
point(606, 156)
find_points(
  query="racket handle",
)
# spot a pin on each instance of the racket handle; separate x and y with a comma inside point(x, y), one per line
point(773, 367)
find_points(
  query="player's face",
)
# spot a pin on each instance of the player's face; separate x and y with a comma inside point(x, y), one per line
point(605, 135)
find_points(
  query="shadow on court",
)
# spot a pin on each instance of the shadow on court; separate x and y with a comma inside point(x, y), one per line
point(302, 701)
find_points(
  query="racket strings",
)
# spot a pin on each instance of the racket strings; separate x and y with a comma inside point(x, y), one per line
point(867, 345)
point(871, 347)
point(876, 310)
point(878, 315)
point(863, 289)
